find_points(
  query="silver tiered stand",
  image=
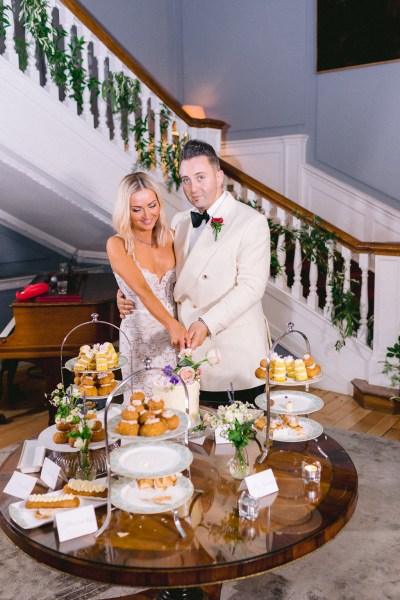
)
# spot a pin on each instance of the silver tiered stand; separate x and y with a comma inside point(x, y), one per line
point(290, 329)
point(109, 400)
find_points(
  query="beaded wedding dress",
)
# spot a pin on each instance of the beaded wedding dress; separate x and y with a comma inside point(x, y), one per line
point(147, 337)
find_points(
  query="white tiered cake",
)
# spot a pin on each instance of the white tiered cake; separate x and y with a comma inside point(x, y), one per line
point(174, 397)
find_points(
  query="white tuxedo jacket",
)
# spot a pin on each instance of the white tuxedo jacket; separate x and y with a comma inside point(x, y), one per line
point(223, 281)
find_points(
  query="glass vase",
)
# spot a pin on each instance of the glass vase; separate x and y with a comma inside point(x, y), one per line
point(86, 470)
point(239, 464)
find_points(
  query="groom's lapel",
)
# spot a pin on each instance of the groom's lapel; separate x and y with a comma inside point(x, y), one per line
point(206, 247)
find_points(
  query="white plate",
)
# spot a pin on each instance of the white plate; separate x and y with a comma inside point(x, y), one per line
point(46, 439)
point(126, 495)
point(292, 382)
point(168, 435)
point(25, 517)
point(303, 402)
point(311, 428)
point(122, 361)
point(158, 459)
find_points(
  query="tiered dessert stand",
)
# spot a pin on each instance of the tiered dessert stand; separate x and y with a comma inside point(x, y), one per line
point(303, 403)
point(145, 458)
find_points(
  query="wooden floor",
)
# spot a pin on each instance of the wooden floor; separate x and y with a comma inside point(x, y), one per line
point(27, 416)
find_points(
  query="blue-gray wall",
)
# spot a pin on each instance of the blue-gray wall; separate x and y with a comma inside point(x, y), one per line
point(252, 64)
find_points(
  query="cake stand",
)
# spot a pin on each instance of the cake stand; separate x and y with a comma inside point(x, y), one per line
point(314, 427)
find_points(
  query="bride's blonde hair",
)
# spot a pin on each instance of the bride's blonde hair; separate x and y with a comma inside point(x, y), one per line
point(132, 183)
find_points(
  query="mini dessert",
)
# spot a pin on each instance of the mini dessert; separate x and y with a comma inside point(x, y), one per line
point(137, 395)
point(280, 370)
point(171, 420)
point(63, 425)
point(80, 487)
point(311, 367)
point(156, 405)
point(160, 483)
point(289, 362)
point(261, 371)
point(153, 427)
point(138, 405)
point(260, 423)
point(52, 501)
point(145, 484)
point(106, 388)
point(98, 436)
point(300, 370)
point(145, 415)
point(44, 513)
point(127, 427)
point(130, 414)
point(91, 415)
point(105, 378)
point(289, 405)
point(60, 437)
point(95, 426)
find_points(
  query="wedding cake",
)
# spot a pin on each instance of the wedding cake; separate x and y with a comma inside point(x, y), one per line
point(174, 397)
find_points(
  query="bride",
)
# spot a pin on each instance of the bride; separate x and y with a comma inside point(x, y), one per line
point(142, 257)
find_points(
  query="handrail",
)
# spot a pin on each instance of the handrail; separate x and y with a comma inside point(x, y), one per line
point(134, 66)
point(347, 240)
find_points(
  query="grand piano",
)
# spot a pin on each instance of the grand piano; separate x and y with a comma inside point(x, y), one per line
point(40, 327)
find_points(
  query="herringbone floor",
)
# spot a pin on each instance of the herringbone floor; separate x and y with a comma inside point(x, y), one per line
point(27, 416)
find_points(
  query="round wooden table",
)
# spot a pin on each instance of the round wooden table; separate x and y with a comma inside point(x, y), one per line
point(148, 551)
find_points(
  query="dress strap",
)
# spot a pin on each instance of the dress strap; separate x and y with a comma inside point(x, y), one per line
point(172, 232)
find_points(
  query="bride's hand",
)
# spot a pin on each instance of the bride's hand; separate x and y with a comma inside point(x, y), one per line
point(180, 337)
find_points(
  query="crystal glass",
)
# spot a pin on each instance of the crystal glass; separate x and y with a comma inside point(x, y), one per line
point(248, 506)
point(311, 471)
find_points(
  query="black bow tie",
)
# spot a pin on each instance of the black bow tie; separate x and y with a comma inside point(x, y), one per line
point(197, 218)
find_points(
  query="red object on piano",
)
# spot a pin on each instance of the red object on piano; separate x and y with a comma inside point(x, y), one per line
point(30, 291)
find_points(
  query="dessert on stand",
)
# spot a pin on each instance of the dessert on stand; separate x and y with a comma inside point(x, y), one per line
point(281, 421)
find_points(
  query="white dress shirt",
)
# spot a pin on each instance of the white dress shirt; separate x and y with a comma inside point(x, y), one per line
point(212, 211)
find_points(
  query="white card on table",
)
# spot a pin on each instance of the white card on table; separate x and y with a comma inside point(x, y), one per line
point(200, 440)
point(219, 438)
point(20, 485)
point(76, 522)
point(262, 484)
point(50, 473)
point(32, 456)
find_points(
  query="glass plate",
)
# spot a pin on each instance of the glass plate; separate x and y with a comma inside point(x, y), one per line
point(168, 435)
point(141, 461)
point(303, 402)
point(122, 361)
point(126, 495)
point(311, 428)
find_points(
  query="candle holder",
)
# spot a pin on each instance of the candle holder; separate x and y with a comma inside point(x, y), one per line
point(248, 506)
point(311, 472)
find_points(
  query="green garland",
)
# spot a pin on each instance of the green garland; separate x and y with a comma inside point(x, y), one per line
point(393, 370)
point(4, 21)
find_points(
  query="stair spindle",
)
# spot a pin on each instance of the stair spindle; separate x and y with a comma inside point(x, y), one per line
point(100, 53)
point(31, 69)
point(329, 296)
point(346, 254)
point(86, 113)
point(155, 105)
point(50, 86)
point(362, 333)
point(297, 288)
point(116, 67)
point(312, 298)
point(281, 278)
point(10, 52)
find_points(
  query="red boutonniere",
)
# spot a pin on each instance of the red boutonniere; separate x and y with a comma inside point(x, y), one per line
point(216, 224)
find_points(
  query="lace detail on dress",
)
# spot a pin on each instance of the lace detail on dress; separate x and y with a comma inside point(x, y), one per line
point(147, 337)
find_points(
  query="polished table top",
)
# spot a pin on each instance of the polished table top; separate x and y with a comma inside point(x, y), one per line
point(147, 550)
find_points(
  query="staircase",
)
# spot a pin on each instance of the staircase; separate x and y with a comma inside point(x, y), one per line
point(69, 157)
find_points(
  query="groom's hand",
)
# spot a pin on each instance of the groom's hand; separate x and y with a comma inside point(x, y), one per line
point(198, 333)
point(125, 306)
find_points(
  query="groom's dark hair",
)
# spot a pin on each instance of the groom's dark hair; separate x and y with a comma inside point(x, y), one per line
point(194, 148)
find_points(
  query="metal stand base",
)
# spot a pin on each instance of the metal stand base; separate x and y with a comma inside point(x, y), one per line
point(193, 593)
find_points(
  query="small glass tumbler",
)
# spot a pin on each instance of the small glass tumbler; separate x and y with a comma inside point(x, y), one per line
point(248, 506)
point(311, 471)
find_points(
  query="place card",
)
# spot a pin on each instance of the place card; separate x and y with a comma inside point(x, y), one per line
point(20, 485)
point(219, 438)
point(199, 440)
point(32, 457)
point(262, 484)
point(75, 523)
point(50, 473)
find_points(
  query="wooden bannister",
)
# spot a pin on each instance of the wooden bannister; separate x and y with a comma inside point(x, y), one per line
point(355, 245)
point(138, 69)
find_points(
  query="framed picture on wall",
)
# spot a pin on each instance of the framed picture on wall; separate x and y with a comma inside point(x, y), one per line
point(353, 33)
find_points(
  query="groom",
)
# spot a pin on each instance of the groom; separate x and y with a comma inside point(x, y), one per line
point(222, 260)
